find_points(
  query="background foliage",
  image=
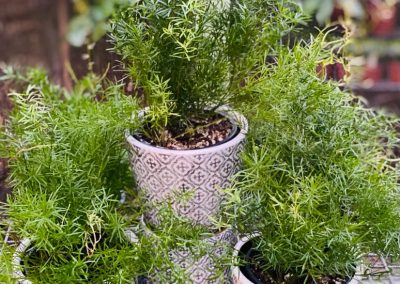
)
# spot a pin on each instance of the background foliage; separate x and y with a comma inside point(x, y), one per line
point(91, 21)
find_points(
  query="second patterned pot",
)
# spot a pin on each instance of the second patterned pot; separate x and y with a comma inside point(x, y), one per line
point(196, 264)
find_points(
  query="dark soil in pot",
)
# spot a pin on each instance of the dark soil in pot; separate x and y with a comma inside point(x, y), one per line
point(202, 133)
point(253, 271)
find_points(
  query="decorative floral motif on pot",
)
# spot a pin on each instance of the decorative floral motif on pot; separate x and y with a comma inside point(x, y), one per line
point(199, 264)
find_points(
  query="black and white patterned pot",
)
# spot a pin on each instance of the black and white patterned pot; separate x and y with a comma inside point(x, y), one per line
point(205, 269)
point(164, 175)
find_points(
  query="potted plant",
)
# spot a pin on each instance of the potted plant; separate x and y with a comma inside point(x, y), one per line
point(189, 61)
point(319, 188)
point(67, 167)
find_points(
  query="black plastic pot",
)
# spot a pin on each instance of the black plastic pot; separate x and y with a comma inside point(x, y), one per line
point(249, 253)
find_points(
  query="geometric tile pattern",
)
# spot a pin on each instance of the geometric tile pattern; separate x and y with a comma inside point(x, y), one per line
point(203, 270)
point(165, 176)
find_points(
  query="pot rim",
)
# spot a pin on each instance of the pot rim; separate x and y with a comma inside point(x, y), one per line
point(17, 271)
point(235, 117)
point(236, 272)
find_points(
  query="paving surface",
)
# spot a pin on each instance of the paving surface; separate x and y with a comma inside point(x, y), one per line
point(380, 270)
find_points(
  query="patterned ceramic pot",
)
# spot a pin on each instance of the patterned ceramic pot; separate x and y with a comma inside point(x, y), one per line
point(163, 175)
point(199, 269)
point(204, 270)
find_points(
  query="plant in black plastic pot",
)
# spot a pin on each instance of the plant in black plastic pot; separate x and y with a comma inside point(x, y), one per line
point(189, 60)
point(318, 189)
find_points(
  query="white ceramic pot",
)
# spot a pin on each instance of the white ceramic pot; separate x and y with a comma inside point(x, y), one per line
point(237, 276)
point(17, 269)
point(198, 269)
point(164, 174)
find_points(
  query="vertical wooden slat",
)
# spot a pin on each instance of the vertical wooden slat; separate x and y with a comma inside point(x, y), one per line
point(29, 34)
point(63, 18)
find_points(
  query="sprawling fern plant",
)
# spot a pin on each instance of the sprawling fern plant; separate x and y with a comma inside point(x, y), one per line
point(319, 185)
point(68, 165)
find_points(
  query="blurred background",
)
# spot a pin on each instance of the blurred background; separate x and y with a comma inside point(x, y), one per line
point(56, 34)
point(372, 49)
point(52, 34)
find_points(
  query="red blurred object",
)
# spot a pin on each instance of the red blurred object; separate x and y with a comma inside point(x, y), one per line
point(382, 16)
point(373, 72)
point(340, 72)
point(334, 71)
point(337, 14)
point(329, 71)
point(394, 71)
